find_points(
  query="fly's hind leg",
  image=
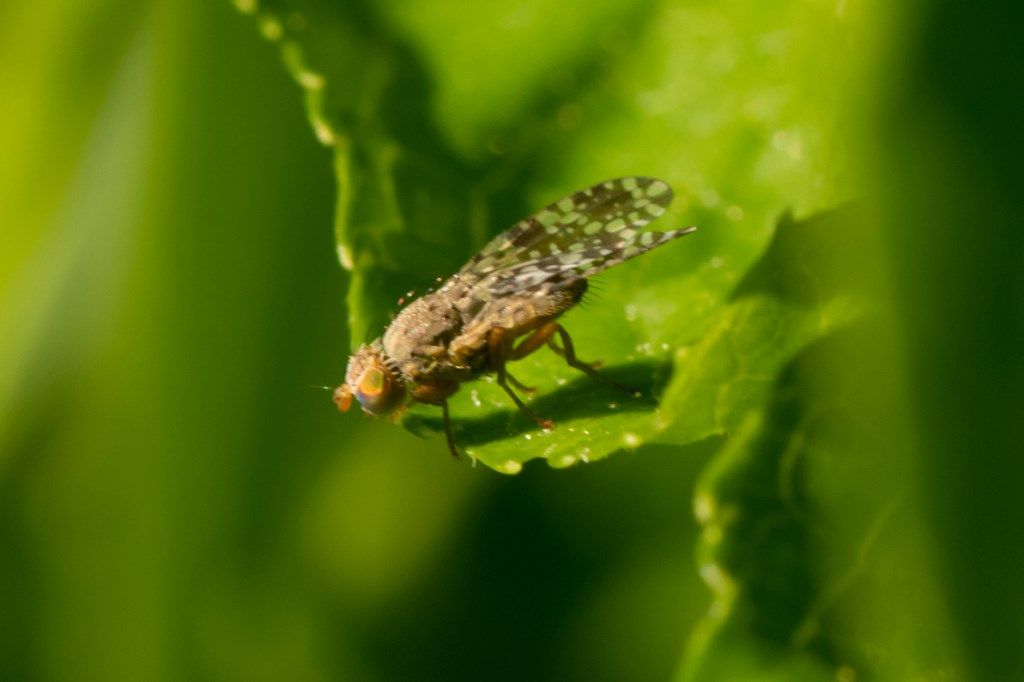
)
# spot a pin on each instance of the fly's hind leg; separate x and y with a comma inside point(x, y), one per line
point(530, 390)
point(568, 352)
point(499, 351)
point(527, 346)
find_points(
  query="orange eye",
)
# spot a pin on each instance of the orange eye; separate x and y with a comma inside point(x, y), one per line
point(372, 383)
point(379, 392)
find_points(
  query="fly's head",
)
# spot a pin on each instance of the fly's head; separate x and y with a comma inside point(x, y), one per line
point(374, 383)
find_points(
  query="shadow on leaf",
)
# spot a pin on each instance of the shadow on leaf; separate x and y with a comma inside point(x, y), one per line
point(808, 260)
point(581, 398)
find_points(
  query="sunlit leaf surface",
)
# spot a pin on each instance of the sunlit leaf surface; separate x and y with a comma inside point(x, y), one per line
point(726, 103)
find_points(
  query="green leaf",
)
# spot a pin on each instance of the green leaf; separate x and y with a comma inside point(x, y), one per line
point(809, 532)
point(755, 554)
point(808, 523)
point(797, 292)
point(444, 136)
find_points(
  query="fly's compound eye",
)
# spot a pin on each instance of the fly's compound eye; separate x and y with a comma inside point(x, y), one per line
point(378, 392)
point(372, 385)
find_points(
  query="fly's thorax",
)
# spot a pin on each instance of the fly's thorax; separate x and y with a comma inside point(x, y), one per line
point(374, 381)
point(421, 331)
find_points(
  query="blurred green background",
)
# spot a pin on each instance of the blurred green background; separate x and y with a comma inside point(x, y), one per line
point(177, 500)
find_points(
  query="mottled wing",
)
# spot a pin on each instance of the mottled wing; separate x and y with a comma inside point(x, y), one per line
point(575, 237)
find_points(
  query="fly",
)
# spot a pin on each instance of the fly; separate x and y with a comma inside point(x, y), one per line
point(504, 304)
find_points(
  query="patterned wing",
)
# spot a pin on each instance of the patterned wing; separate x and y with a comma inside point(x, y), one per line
point(573, 238)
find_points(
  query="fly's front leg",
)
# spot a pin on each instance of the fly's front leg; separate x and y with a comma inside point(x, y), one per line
point(499, 351)
point(437, 394)
point(449, 436)
point(568, 352)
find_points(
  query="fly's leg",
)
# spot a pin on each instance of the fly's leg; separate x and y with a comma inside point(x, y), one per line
point(527, 346)
point(499, 352)
point(568, 352)
point(533, 341)
point(452, 447)
point(436, 393)
point(520, 385)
